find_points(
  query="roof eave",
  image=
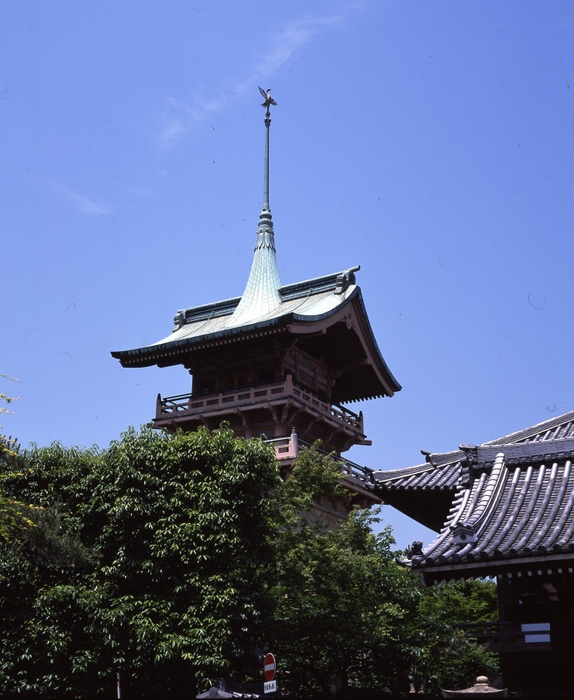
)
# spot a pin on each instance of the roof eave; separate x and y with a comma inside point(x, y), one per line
point(212, 338)
point(490, 567)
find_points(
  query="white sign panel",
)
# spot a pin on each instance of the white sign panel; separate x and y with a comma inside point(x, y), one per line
point(270, 686)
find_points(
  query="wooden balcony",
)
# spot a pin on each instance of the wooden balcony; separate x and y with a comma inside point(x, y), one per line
point(287, 448)
point(356, 478)
point(186, 406)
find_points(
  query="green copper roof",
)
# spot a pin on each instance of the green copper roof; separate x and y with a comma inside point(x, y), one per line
point(306, 301)
point(302, 305)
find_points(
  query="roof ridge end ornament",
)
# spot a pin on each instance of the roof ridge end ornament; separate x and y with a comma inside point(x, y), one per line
point(345, 279)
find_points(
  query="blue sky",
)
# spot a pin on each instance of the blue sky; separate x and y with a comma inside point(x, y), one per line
point(429, 142)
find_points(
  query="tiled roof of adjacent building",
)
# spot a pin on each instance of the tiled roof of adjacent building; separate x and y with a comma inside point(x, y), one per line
point(513, 503)
point(441, 471)
point(425, 492)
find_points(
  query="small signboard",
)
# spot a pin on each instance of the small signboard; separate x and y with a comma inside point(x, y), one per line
point(269, 668)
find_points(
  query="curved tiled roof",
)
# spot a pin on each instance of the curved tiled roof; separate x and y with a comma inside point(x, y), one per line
point(513, 504)
point(421, 477)
point(442, 469)
point(322, 300)
point(304, 301)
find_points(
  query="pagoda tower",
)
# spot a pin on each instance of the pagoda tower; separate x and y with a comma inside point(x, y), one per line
point(280, 361)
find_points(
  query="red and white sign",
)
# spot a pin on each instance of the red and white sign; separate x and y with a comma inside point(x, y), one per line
point(269, 667)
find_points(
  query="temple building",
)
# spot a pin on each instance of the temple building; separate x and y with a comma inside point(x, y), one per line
point(280, 361)
point(504, 509)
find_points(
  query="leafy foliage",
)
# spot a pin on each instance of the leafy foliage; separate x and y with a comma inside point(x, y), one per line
point(3, 397)
point(446, 656)
point(6, 444)
point(340, 604)
point(348, 616)
point(150, 564)
point(13, 514)
point(175, 559)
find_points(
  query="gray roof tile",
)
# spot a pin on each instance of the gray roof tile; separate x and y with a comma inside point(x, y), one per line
point(514, 499)
point(443, 469)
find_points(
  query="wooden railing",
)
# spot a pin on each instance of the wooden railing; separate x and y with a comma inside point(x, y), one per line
point(191, 404)
point(289, 447)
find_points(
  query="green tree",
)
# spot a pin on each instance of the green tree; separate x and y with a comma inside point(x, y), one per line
point(446, 655)
point(152, 566)
point(340, 599)
point(341, 603)
point(348, 616)
point(174, 559)
point(6, 444)
point(13, 514)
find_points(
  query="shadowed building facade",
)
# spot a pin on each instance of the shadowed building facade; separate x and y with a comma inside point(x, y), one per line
point(280, 360)
point(504, 509)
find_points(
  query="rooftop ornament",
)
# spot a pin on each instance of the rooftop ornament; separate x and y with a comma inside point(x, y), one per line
point(261, 294)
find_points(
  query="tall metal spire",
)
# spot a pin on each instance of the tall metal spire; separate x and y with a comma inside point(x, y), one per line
point(261, 293)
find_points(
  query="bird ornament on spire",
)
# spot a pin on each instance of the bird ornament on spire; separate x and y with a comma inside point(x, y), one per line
point(268, 99)
point(267, 104)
